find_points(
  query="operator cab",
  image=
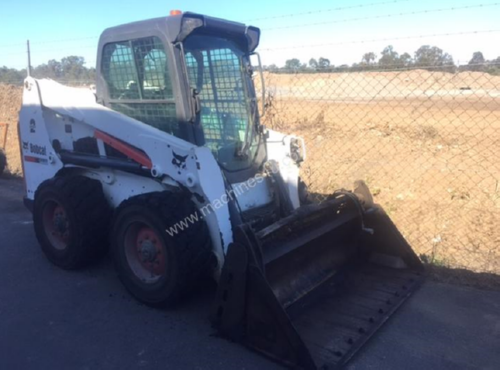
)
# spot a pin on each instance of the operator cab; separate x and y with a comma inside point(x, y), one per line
point(188, 75)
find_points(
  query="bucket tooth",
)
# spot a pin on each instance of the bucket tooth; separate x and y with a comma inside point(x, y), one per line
point(312, 288)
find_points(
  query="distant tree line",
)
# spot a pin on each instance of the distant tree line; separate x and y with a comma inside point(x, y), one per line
point(70, 70)
point(426, 57)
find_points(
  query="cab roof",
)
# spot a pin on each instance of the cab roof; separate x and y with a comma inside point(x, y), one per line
point(176, 28)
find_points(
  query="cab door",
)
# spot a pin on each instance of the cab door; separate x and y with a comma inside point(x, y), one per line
point(140, 84)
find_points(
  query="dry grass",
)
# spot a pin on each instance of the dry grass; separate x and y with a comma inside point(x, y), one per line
point(10, 102)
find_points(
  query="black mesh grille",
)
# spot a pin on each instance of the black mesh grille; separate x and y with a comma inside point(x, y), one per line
point(119, 71)
point(161, 116)
point(138, 70)
point(152, 67)
point(224, 109)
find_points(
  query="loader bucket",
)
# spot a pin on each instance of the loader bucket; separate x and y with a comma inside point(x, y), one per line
point(311, 289)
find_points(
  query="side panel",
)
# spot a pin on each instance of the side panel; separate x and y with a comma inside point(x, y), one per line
point(173, 160)
point(39, 160)
point(253, 193)
point(119, 186)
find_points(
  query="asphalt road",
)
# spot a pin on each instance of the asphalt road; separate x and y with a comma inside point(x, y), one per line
point(54, 319)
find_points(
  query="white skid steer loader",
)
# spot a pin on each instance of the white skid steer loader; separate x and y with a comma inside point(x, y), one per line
point(169, 161)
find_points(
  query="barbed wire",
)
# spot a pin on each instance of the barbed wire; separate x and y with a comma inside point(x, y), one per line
point(392, 15)
point(350, 42)
point(380, 40)
point(359, 6)
point(52, 41)
point(427, 11)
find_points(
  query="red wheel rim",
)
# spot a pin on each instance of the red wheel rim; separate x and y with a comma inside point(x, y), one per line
point(145, 253)
point(56, 224)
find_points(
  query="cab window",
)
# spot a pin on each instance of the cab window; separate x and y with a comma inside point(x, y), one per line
point(138, 81)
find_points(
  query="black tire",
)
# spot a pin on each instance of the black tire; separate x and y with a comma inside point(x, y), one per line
point(3, 162)
point(71, 218)
point(158, 268)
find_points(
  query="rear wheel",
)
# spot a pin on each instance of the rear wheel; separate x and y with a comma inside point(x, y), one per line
point(71, 217)
point(157, 265)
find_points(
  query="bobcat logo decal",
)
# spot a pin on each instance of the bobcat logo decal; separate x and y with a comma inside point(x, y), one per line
point(179, 161)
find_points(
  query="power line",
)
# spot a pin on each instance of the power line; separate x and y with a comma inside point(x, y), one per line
point(313, 24)
point(392, 15)
point(290, 15)
point(327, 10)
point(254, 19)
point(379, 40)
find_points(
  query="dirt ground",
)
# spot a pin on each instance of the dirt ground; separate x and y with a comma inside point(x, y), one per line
point(426, 143)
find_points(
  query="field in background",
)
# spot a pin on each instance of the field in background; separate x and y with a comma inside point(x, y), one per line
point(427, 144)
point(10, 102)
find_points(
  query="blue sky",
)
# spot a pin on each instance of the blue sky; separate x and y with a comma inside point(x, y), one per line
point(49, 24)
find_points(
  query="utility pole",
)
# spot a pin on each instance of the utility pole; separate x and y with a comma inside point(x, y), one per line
point(29, 58)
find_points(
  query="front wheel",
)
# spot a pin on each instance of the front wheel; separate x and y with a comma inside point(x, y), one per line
point(156, 264)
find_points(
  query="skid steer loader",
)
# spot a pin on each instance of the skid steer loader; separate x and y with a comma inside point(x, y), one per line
point(169, 161)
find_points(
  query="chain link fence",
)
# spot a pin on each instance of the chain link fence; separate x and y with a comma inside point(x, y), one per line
point(425, 142)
